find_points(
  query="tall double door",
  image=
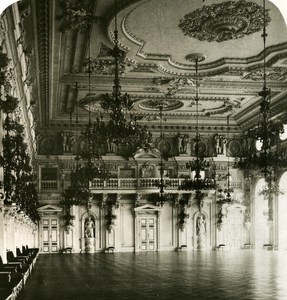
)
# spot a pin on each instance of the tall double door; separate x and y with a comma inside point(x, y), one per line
point(50, 235)
point(148, 233)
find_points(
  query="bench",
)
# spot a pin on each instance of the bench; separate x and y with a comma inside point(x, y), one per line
point(220, 247)
point(66, 250)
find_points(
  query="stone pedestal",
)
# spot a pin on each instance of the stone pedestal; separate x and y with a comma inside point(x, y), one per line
point(89, 245)
point(201, 242)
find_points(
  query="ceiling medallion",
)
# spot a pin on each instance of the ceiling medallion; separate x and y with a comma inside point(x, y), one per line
point(224, 21)
point(155, 104)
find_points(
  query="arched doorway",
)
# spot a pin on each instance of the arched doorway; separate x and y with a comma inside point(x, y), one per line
point(282, 213)
point(261, 228)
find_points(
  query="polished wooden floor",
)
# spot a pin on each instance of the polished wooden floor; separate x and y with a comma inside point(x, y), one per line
point(242, 274)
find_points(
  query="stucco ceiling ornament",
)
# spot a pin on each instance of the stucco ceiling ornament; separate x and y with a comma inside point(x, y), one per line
point(77, 16)
point(172, 85)
point(274, 73)
point(224, 21)
point(167, 104)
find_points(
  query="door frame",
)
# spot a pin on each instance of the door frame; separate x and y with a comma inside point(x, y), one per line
point(49, 212)
point(147, 211)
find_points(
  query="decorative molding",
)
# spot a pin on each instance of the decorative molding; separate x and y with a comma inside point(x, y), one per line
point(224, 21)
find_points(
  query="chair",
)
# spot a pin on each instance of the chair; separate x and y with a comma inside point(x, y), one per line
point(33, 251)
point(11, 283)
point(7, 267)
point(24, 268)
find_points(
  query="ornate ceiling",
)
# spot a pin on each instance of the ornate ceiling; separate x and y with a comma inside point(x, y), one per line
point(156, 37)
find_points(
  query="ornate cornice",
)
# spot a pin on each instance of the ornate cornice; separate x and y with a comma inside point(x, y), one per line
point(43, 24)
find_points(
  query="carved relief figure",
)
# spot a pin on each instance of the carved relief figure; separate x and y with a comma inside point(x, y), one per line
point(147, 170)
point(89, 228)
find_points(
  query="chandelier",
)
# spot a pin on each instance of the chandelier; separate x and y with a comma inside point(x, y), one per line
point(266, 154)
point(225, 195)
point(119, 126)
point(162, 196)
point(199, 165)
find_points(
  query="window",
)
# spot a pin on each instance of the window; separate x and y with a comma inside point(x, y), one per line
point(49, 179)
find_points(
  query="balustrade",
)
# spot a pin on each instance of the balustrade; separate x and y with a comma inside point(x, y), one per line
point(49, 185)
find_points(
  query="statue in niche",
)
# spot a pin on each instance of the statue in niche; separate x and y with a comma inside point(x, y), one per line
point(89, 228)
point(184, 143)
point(112, 147)
point(217, 144)
point(201, 225)
point(220, 145)
point(68, 141)
point(224, 145)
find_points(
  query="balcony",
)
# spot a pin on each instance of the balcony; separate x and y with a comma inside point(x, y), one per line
point(49, 185)
point(141, 184)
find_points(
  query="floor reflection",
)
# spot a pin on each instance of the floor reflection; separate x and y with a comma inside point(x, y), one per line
point(242, 274)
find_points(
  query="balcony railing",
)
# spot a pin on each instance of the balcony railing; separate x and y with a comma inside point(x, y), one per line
point(141, 183)
point(48, 185)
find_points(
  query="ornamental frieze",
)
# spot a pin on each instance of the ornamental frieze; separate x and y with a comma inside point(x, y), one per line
point(224, 21)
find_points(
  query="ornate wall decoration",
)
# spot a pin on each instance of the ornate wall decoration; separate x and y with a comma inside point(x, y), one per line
point(235, 147)
point(165, 147)
point(155, 104)
point(224, 21)
point(103, 67)
point(147, 170)
point(143, 68)
point(104, 50)
point(50, 145)
point(77, 16)
point(273, 74)
point(203, 148)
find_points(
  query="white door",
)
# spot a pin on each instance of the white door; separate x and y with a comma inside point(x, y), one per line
point(235, 230)
point(50, 235)
point(147, 233)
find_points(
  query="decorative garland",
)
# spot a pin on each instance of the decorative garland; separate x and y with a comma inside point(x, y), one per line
point(18, 175)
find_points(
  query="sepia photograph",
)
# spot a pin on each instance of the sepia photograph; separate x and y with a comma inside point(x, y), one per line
point(143, 150)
